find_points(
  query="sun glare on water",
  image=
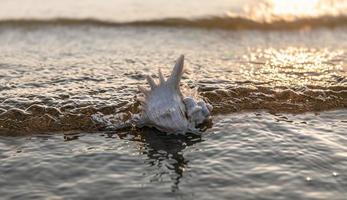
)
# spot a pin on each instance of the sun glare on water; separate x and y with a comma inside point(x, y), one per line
point(294, 7)
point(288, 10)
point(298, 66)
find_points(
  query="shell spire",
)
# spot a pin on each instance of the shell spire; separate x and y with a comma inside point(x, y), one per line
point(177, 73)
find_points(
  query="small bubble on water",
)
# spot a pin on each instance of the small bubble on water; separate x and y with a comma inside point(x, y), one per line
point(335, 174)
point(308, 179)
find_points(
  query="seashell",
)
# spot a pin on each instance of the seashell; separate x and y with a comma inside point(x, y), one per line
point(165, 108)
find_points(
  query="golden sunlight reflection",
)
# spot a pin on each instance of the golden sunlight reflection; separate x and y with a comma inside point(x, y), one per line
point(294, 7)
point(293, 65)
point(289, 10)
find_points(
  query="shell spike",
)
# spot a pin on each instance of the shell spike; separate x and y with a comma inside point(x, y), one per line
point(151, 82)
point(177, 72)
point(141, 99)
point(161, 77)
point(143, 90)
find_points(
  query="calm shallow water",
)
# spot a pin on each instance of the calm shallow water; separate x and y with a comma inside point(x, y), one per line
point(274, 71)
point(252, 155)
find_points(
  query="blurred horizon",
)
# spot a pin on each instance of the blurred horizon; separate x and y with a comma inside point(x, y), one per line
point(136, 10)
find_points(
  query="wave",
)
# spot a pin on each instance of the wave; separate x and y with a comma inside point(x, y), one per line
point(45, 118)
point(229, 23)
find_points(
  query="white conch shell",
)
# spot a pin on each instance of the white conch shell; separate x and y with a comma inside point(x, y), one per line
point(164, 107)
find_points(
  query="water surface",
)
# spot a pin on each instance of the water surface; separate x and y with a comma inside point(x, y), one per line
point(274, 71)
point(252, 155)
